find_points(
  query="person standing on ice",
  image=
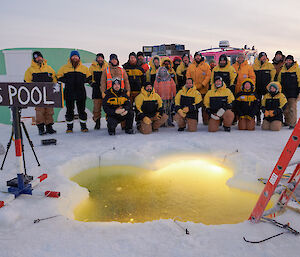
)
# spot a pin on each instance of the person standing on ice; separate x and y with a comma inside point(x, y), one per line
point(218, 102)
point(200, 72)
point(150, 113)
point(247, 105)
point(74, 74)
point(265, 73)
point(117, 107)
point(243, 70)
point(168, 64)
point(273, 105)
point(225, 71)
point(165, 87)
point(187, 102)
point(278, 62)
point(40, 71)
point(181, 71)
point(114, 71)
point(289, 77)
point(136, 75)
point(151, 73)
point(141, 61)
point(96, 69)
point(176, 62)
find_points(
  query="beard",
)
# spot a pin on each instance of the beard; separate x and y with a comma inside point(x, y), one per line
point(101, 63)
point(75, 63)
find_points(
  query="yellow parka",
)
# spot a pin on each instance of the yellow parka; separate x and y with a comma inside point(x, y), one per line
point(221, 71)
point(243, 71)
point(200, 73)
point(37, 73)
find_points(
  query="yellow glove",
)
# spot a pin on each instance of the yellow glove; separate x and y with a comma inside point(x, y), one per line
point(157, 115)
point(271, 113)
point(185, 109)
point(147, 120)
point(181, 113)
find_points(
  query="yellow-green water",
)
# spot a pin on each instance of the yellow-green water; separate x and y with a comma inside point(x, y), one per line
point(192, 190)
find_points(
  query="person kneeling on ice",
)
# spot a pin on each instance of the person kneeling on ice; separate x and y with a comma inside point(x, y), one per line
point(246, 105)
point(117, 107)
point(273, 105)
point(150, 114)
point(218, 102)
point(187, 102)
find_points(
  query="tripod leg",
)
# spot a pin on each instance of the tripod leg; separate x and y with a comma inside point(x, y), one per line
point(7, 149)
point(23, 152)
point(30, 143)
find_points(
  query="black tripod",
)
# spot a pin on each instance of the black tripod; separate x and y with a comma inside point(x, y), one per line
point(21, 135)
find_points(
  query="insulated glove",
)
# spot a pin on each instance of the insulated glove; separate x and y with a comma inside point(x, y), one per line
point(158, 115)
point(147, 120)
point(185, 109)
point(220, 112)
point(181, 113)
point(215, 117)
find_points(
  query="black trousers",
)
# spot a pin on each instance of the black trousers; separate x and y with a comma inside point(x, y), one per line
point(113, 121)
point(70, 105)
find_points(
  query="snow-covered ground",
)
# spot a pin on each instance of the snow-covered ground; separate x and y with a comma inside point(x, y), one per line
point(258, 151)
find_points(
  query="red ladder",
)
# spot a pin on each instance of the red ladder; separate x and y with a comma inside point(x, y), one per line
point(275, 177)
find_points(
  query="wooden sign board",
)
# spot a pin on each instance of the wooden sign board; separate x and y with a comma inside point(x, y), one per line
point(42, 94)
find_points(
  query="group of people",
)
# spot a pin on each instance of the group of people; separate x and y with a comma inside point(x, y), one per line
point(164, 91)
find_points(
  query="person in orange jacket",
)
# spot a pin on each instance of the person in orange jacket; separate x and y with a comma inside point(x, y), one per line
point(243, 70)
point(200, 72)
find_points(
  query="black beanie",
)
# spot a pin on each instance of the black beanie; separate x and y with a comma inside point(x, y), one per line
point(261, 54)
point(290, 57)
point(113, 56)
point(132, 54)
point(278, 52)
point(36, 54)
point(198, 53)
point(139, 54)
point(100, 55)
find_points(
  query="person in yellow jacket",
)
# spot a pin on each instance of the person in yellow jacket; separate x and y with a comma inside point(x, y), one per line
point(225, 71)
point(243, 70)
point(96, 69)
point(181, 71)
point(150, 113)
point(218, 102)
point(187, 102)
point(74, 74)
point(273, 105)
point(168, 64)
point(154, 66)
point(289, 77)
point(40, 71)
point(200, 72)
point(265, 73)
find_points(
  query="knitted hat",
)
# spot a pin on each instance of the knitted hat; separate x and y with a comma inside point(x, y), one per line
point(278, 52)
point(290, 57)
point(113, 56)
point(140, 54)
point(100, 55)
point(74, 52)
point(132, 54)
point(261, 54)
point(36, 54)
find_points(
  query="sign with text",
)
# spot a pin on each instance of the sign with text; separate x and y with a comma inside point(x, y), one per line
point(41, 94)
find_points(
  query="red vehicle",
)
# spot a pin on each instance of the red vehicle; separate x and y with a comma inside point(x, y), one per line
point(231, 52)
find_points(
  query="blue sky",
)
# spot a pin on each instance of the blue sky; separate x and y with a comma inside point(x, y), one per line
point(125, 26)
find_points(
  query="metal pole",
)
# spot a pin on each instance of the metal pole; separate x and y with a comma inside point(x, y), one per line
point(18, 140)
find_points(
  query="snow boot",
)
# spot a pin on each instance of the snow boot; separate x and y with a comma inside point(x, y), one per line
point(129, 131)
point(181, 129)
point(69, 128)
point(112, 132)
point(49, 129)
point(97, 124)
point(83, 127)
point(226, 129)
point(41, 128)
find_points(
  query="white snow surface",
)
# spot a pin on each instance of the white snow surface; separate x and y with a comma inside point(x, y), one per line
point(258, 151)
